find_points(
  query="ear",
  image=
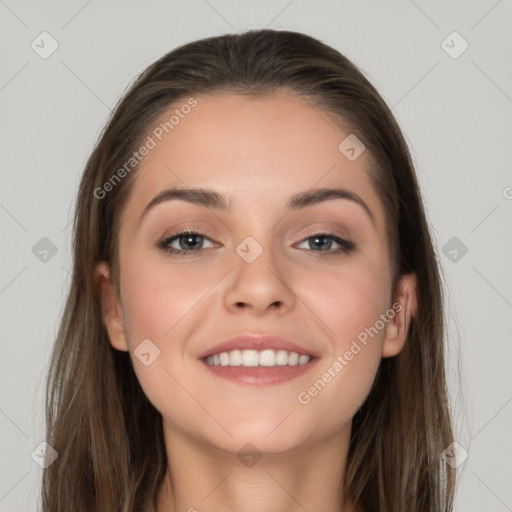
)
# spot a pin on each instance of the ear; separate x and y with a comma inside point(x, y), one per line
point(405, 308)
point(112, 311)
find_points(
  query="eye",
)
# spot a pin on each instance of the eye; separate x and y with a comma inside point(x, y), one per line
point(322, 243)
point(188, 242)
point(183, 243)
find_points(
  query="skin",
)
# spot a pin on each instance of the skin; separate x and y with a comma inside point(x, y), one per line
point(256, 151)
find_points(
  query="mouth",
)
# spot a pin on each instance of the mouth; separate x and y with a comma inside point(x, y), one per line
point(267, 358)
point(258, 360)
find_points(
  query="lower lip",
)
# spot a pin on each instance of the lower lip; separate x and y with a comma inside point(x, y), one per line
point(260, 375)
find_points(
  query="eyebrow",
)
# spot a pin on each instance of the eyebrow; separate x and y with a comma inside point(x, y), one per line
point(211, 199)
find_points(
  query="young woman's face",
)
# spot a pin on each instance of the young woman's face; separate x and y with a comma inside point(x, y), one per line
point(317, 274)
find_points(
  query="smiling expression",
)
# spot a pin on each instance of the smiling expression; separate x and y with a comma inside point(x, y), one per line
point(252, 178)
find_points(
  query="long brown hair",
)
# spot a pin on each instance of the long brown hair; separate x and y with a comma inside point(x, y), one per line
point(108, 435)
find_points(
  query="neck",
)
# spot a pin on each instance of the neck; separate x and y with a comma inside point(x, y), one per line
point(201, 477)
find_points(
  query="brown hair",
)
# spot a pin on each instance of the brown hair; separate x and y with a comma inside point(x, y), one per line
point(108, 435)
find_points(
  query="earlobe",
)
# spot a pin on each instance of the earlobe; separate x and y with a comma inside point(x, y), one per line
point(405, 308)
point(112, 313)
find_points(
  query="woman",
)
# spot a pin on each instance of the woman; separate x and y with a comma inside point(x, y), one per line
point(255, 318)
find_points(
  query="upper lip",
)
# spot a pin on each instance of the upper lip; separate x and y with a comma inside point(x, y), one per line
point(256, 342)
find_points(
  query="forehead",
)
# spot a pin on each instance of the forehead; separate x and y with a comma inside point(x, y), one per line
point(252, 149)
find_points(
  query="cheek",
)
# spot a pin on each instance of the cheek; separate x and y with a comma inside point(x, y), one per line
point(163, 303)
point(349, 305)
point(158, 304)
point(156, 297)
point(346, 301)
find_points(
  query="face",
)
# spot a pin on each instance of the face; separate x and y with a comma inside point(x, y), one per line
point(316, 274)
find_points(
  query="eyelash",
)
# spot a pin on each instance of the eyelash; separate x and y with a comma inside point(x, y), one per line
point(345, 245)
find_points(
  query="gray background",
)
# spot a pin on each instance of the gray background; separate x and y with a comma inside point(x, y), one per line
point(456, 115)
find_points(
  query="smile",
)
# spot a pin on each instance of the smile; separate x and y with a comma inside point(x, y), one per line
point(255, 358)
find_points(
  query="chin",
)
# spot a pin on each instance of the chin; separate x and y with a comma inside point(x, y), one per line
point(268, 437)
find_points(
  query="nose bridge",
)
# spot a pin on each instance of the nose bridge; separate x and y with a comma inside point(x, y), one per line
point(257, 258)
point(258, 278)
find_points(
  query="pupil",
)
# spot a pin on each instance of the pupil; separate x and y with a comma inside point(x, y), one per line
point(322, 239)
point(189, 239)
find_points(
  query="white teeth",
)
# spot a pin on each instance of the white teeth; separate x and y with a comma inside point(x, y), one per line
point(303, 359)
point(293, 359)
point(250, 358)
point(253, 358)
point(235, 358)
point(281, 358)
point(267, 358)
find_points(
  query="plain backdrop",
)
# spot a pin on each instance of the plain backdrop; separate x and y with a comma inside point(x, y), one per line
point(453, 103)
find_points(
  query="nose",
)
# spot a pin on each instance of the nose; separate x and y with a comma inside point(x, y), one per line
point(260, 285)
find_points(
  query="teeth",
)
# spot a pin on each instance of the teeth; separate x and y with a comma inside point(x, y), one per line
point(253, 358)
point(234, 357)
point(250, 358)
point(303, 359)
point(281, 358)
point(293, 359)
point(267, 358)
